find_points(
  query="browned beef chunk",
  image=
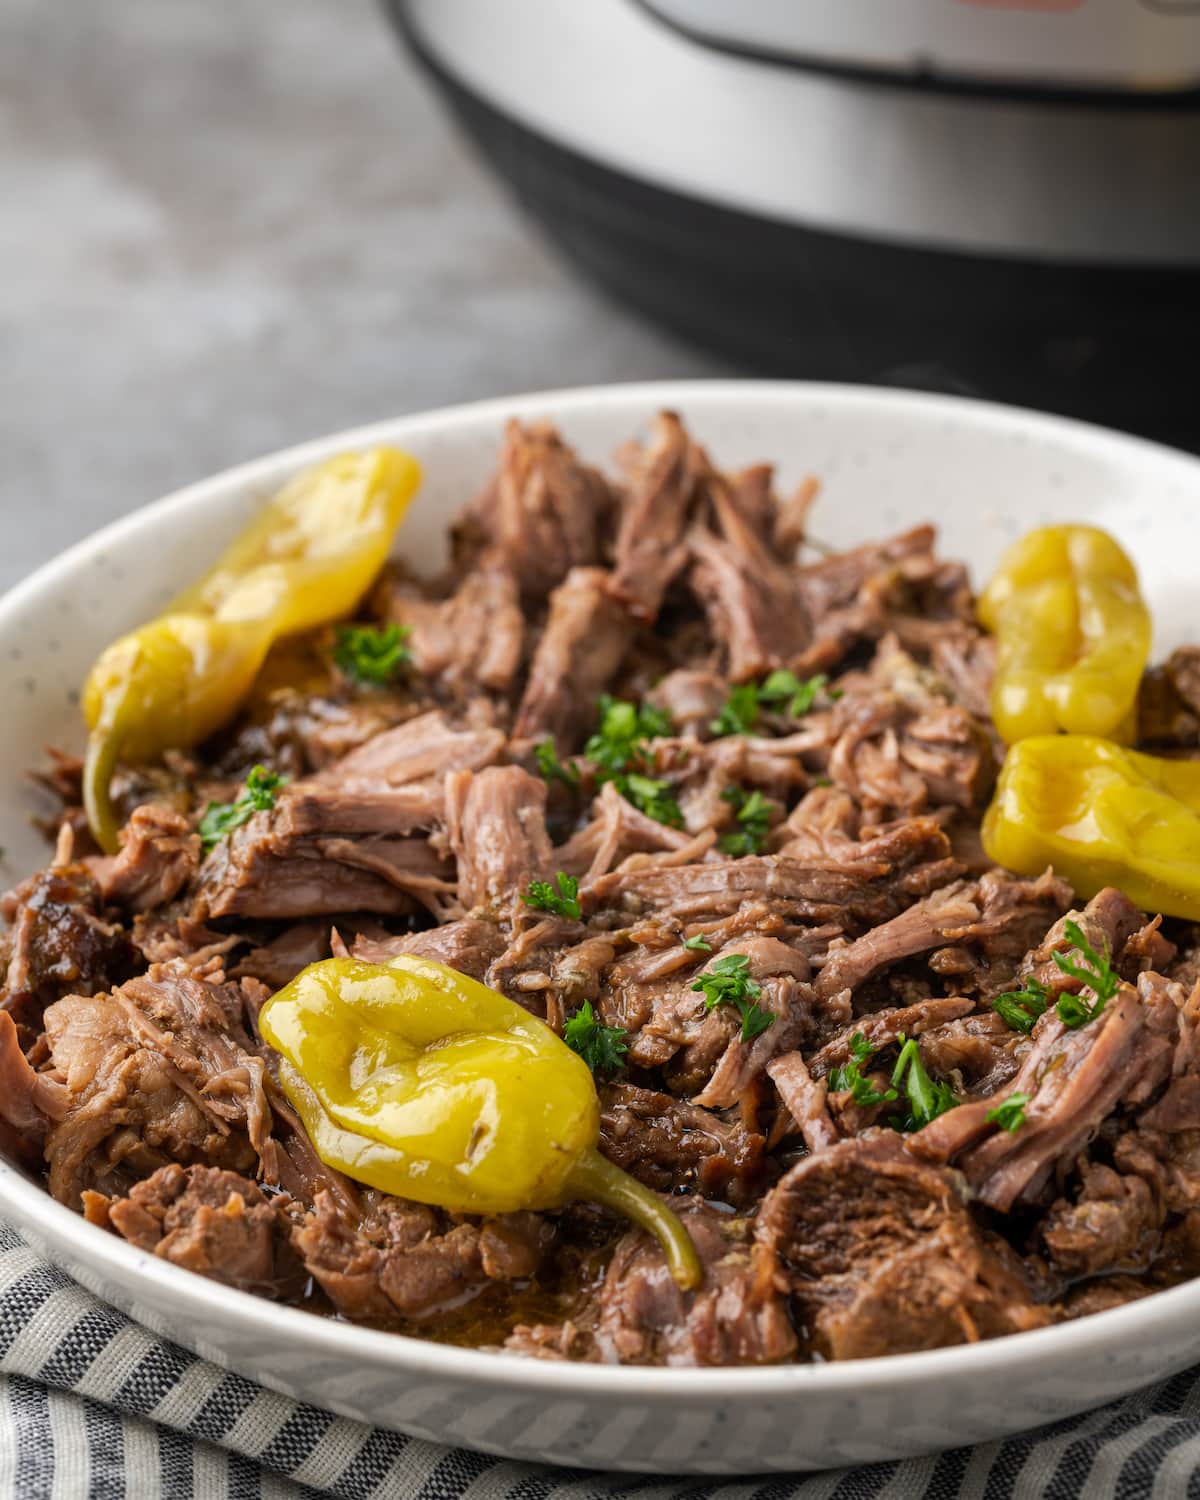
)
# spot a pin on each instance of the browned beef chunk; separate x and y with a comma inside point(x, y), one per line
point(496, 821)
point(865, 884)
point(667, 1144)
point(470, 641)
point(881, 1256)
point(277, 962)
point(470, 946)
point(161, 1070)
point(737, 1317)
point(692, 697)
point(981, 1049)
point(1169, 701)
point(1112, 1224)
point(781, 973)
point(897, 744)
point(406, 1261)
point(543, 514)
point(1112, 924)
point(805, 1099)
point(925, 925)
point(59, 942)
point(347, 839)
point(212, 1222)
point(990, 924)
point(617, 830)
point(754, 611)
point(965, 659)
point(586, 635)
point(650, 543)
point(159, 855)
point(555, 1341)
point(1074, 1079)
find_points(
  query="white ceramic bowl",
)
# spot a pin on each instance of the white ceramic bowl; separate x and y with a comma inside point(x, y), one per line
point(887, 460)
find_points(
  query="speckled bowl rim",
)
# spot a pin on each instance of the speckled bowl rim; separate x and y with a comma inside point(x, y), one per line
point(29, 1204)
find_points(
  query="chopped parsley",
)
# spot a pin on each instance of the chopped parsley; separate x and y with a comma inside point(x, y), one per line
point(620, 742)
point(602, 1047)
point(371, 654)
point(782, 689)
point(849, 1077)
point(651, 796)
point(729, 982)
point(549, 765)
point(926, 1098)
point(1009, 1114)
point(1095, 972)
point(1021, 1008)
point(698, 943)
point(561, 898)
point(798, 694)
point(753, 818)
point(618, 750)
point(221, 818)
point(739, 713)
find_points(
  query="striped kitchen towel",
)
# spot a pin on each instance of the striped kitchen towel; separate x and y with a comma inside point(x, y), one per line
point(92, 1404)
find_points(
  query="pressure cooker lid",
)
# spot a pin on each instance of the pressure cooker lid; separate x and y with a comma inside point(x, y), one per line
point(1135, 46)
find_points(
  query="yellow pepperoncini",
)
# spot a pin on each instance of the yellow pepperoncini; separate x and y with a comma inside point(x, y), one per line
point(420, 1081)
point(307, 559)
point(1072, 635)
point(1101, 815)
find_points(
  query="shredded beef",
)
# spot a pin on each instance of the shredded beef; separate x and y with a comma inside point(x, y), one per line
point(764, 765)
point(737, 1317)
point(880, 1255)
point(210, 1221)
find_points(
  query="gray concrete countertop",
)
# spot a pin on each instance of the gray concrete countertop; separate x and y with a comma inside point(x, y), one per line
point(227, 227)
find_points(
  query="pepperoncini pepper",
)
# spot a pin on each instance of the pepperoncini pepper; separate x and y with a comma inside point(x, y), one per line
point(422, 1082)
point(306, 560)
point(1072, 635)
point(1101, 815)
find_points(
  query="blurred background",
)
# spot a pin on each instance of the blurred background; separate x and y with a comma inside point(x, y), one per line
point(228, 227)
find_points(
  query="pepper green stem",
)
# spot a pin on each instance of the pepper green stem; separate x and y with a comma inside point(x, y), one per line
point(101, 761)
point(595, 1178)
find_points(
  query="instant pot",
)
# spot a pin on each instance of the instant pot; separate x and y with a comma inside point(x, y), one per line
point(983, 196)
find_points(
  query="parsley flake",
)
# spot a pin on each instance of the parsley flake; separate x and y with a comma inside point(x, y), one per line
point(602, 1047)
point(1095, 972)
point(1009, 1114)
point(729, 982)
point(926, 1098)
point(561, 898)
point(651, 796)
point(550, 767)
point(754, 820)
point(849, 1077)
point(1021, 1008)
point(221, 818)
point(739, 713)
point(619, 752)
point(799, 694)
point(371, 654)
point(698, 943)
point(620, 742)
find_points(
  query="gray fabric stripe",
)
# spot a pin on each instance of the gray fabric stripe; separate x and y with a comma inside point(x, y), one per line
point(71, 1361)
point(34, 1477)
point(106, 1443)
point(174, 1464)
point(224, 1405)
point(22, 1300)
point(371, 1465)
point(153, 1378)
point(296, 1439)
